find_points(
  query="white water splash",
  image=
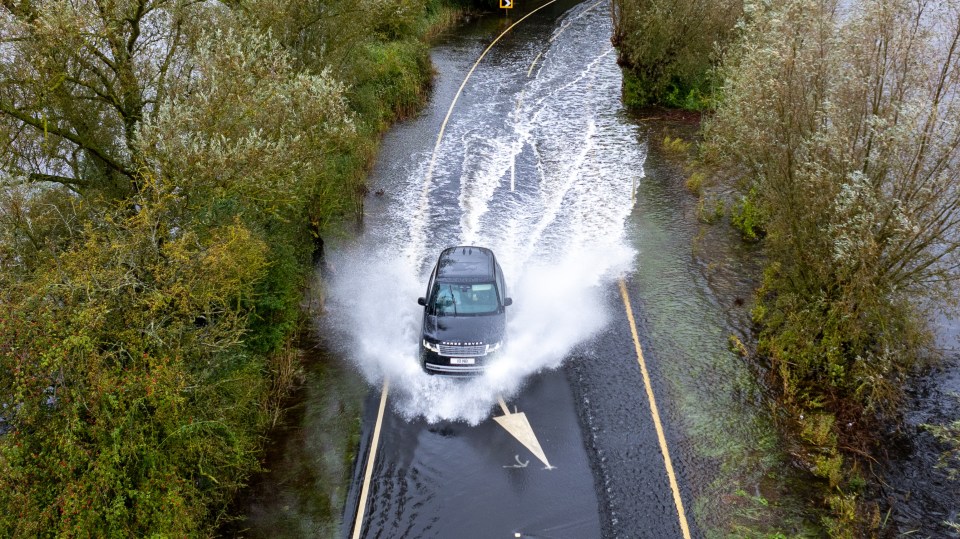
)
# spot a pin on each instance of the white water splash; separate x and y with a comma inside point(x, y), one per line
point(559, 236)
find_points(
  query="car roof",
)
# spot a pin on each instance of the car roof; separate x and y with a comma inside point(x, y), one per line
point(465, 264)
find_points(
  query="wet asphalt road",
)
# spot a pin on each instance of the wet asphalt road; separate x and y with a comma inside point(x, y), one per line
point(449, 479)
point(591, 416)
point(551, 89)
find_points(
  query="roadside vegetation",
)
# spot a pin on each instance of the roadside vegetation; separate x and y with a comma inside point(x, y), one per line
point(841, 120)
point(834, 130)
point(668, 49)
point(167, 170)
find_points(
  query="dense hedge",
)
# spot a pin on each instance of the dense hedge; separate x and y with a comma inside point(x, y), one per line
point(847, 160)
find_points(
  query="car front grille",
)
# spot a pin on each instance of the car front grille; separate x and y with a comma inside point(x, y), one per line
point(460, 350)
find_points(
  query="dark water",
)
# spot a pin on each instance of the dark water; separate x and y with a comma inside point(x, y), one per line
point(920, 496)
point(309, 457)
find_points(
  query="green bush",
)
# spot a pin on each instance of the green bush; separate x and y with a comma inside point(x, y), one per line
point(392, 82)
point(694, 183)
point(747, 218)
point(675, 145)
point(668, 49)
point(132, 416)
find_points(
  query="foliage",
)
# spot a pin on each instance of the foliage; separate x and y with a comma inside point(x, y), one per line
point(77, 78)
point(250, 133)
point(398, 73)
point(856, 182)
point(675, 145)
point(844, 117)
point(949, 435)
point(668, 49)
point(166, 163)
point(710, 209)
point(133, 404)
point(695, 182)
point(747, 217)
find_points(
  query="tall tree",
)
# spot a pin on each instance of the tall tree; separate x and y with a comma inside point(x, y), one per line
point(76, 80)
point(140, 320)
point(844, 116)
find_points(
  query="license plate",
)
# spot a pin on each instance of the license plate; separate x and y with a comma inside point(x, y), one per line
point(462, 361)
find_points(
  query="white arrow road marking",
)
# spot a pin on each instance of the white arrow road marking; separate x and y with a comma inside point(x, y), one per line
point(518, 427)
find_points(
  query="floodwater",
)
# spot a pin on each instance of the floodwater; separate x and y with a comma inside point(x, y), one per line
point(921, 498)
point(540, 162)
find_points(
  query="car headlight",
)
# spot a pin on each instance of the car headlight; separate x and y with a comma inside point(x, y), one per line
point(494, 347)
point(431, 346)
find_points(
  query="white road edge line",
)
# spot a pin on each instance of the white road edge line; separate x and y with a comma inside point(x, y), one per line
point(684, 526)
point(371, 460)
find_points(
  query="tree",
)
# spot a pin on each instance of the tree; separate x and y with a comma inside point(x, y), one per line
point(843, 117)
point(668, 48)
point(157, 183)
point(131, 404)
point(249, 131)
point(76, 80)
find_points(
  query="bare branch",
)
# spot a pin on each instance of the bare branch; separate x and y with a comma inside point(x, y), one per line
point(37, 177)
point(36, 123)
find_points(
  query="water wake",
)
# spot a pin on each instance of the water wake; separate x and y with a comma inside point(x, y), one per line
point(544, 177)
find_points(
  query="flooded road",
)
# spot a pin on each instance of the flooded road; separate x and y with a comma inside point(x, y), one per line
point(452, 479)
point(541, 163)
point(923, 501)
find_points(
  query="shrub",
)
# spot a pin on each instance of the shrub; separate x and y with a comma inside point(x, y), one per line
point(668, 49)
point(747, 218)
point(694, 183)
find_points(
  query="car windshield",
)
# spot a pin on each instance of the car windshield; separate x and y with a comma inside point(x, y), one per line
point(453, 299)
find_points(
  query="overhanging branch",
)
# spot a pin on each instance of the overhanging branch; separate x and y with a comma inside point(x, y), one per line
point(27, 119)
point(37, 177)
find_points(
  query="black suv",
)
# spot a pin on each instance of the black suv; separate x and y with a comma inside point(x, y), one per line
point(464, 314)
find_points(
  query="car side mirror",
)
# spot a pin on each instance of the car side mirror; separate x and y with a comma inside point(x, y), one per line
point(422, 301)
point(507, 302)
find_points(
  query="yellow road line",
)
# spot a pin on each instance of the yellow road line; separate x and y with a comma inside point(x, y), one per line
point(684, 527)
point(418, 226)
point(582, 13)
point(456, 97)
point(534, 63)
point(371, 459)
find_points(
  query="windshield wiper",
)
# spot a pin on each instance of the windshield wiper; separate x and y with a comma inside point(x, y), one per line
point(453, 299)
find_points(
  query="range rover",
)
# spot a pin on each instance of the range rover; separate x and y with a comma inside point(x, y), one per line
point(464, 312)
